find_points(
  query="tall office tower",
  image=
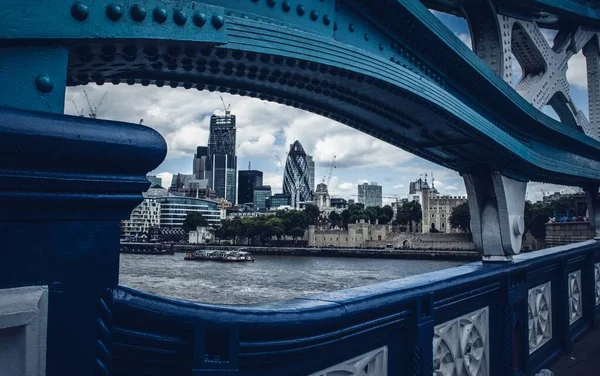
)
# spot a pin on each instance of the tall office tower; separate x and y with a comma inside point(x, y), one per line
point(370, 194)
point(311, 172)
point(248, 180)
point(296, 181)
point(200, 163)
point(221, 162)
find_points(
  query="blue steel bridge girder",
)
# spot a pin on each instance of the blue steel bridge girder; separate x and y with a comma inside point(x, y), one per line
point(349, 61)
point(388, 68)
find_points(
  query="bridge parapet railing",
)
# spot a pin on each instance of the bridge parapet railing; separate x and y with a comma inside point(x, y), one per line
point(475, 319)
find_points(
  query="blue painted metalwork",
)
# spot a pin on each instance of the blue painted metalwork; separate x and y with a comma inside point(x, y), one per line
point(388, 68)
point(155, 335)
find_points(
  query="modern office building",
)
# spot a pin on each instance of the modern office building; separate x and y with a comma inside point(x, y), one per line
point(173, 210)
point(221, 162)
point(261, 197)
point(142, 218)
point(181, 183)
point(162, 209)
point(154, 180)
point(296, 176)
point(247, 181)
point(279, 199)
point(370, 194)
point(200, 163)
point(311, 172)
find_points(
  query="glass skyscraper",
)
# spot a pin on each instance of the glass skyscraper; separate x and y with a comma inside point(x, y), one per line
point(296, 176)
point(221, 159)
point(311, 172)
point(247, 181)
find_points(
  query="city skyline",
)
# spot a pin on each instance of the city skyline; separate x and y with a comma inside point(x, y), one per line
point(265, 130)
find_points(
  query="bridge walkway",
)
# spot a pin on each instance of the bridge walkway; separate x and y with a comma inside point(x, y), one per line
point(583, 360)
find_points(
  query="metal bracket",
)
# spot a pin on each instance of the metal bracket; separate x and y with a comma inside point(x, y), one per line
point(496, 205)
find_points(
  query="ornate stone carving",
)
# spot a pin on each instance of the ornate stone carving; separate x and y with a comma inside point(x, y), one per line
point(597, 281)
point(373, 363)
point(540, 316)
point(575, 306)
point(461, 346)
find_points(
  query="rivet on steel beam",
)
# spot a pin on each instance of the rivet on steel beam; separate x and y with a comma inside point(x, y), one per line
point(366, 37)
point(300, 10)
point(180, 17)
point(114, 12)
point(286, 6)
point(44, 83)
point(314, 15)
point(218, 21)
point(79, 11)
point(335, 26)
point(351, 27)
point(159, 15)
point(271, 3)
point(138, 13)
point(199, 19)
point(326, 20)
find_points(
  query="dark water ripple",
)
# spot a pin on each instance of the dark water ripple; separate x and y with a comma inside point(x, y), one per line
point(270, 278)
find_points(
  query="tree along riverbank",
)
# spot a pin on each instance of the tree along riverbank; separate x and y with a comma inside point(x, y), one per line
point(450, 255)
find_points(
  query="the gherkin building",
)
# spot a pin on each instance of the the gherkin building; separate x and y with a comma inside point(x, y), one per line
point(296, 176)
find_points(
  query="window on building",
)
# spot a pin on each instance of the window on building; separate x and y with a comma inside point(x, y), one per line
point(378, 237)
point(346, 238)
point(443, 225)
point(442, 216)
point(432, 215)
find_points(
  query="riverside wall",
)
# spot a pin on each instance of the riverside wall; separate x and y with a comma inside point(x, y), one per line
point(457, 253)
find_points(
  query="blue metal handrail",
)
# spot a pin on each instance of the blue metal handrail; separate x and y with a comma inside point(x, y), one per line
point(290, 337)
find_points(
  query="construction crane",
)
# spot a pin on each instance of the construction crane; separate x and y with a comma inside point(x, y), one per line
point(226, 107)
point(78, 110)
point(330, 172)
point(278, 162)
point(93, 109)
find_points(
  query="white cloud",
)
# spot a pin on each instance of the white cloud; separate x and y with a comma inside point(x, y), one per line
point(275, 180)
point(577, 71)
point(549, 35)
point(259, 147)
point(166, 177)
point(451, 188)
point(466, 39)
point(397, 186)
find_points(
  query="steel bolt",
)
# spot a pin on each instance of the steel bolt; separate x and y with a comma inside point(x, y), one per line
point(79, 11)
point(218, 21)
point(159, 15)
point(180, 18)
point(44, 83)
point(138, 13)
point(199, 19)
point(114, 12)
point(300, 9)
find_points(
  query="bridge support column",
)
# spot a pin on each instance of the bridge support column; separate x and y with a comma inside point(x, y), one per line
point(593, 209)
point(66, 182)
point(496, 205)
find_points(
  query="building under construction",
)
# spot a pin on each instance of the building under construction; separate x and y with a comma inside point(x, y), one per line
point(221, 161)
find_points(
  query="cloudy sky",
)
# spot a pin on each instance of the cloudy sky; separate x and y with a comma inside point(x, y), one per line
point(265, 130)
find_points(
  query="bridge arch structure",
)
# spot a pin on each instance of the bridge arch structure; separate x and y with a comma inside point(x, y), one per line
point(387, 68)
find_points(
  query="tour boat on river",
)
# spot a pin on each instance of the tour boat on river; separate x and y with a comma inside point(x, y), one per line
point(221, 256)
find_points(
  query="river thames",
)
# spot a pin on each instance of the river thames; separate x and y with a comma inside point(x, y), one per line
point(270, 278)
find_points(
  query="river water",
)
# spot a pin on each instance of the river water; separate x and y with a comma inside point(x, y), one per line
point(270, 278)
